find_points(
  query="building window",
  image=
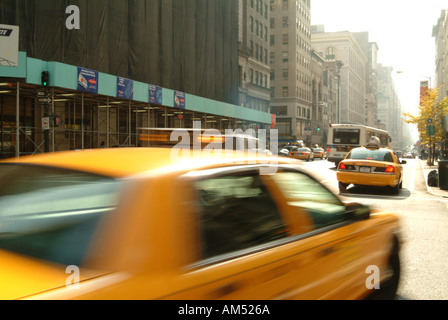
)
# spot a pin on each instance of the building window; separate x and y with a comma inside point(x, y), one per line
point(272, 40)
point(285, 56)
point(330, 54)
point(285, 4)
point(285, 74)
point(251, 24)
point(285, 38)
point(285, 91)
point(285, 22)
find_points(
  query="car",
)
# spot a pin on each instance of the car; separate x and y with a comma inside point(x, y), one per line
point(409, 155)
point(319, 153)
point(301, 153)
point(371, 166)
point(141, 223)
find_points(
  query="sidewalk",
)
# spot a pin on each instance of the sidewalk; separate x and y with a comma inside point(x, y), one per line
point(426, 169)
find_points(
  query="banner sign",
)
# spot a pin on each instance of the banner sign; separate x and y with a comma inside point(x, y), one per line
point(125, 88)
point(155, 94)
point(179, 99)
point(9, 45)
point(87, 80)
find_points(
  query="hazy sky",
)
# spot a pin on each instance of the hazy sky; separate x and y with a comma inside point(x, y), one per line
point(401, 28)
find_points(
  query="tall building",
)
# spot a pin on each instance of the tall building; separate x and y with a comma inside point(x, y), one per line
point(290, 62)
point(440, 33)
point(131, 64)
point(253, 35)
point(370, 49)
point(343, 46)
point(389, 111)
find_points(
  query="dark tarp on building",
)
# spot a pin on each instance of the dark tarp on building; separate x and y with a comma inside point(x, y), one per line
point(186, 45)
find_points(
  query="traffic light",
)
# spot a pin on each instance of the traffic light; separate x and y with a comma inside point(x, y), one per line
point(318, 128)
point(45, 78)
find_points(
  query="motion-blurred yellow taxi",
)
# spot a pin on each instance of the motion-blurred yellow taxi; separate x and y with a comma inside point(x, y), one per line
point(371, 166)
point(148, 223)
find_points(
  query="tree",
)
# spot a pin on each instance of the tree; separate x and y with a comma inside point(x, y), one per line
point(431, 107)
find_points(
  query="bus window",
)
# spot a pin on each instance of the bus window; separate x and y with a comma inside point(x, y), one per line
point(346, 136)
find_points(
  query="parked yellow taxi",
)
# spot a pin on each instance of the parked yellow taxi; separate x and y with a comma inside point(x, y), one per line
point(371, 166)
point(147, 223)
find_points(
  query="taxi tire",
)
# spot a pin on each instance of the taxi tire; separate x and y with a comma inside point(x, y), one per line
point(389, 288)
point(342, 187)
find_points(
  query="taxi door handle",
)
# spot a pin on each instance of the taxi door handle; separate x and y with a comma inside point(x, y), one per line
point(225, 290)
point(328, 250)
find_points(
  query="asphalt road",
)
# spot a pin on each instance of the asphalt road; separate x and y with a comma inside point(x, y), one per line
point(424, 218)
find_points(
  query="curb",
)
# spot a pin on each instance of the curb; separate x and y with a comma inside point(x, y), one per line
point(428, 188)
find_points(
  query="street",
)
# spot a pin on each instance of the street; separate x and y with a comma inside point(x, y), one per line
point(424, 219)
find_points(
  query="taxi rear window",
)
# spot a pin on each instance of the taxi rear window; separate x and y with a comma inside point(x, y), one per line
point(51, 213)
point(371, 154)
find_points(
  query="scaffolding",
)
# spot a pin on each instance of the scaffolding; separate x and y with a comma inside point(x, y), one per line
point(80, 120)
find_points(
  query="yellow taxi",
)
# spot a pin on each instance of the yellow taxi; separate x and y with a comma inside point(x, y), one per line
point(149, 223)
point(371, 166)
point(301, 153)
point(319, 153)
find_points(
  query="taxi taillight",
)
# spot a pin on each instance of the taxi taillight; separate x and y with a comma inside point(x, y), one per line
point(342, 166)
point(328, 150)
point(390, 169)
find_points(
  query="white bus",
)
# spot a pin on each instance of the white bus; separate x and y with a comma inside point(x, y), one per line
point(344, 137)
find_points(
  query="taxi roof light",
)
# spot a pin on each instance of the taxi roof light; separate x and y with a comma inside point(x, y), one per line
point(374, 143)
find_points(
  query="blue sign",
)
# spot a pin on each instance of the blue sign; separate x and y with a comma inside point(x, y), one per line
point(179, 99)
point(87, 80)
point(155, 94)
point(125, 88)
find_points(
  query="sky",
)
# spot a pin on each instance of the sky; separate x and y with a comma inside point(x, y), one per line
point(402, 30)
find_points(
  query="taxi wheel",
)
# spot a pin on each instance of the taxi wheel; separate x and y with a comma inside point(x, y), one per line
point(342, 187)
point(395, 190)
point(388, 289)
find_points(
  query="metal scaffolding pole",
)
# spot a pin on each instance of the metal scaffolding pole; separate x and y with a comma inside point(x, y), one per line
point(18, 120)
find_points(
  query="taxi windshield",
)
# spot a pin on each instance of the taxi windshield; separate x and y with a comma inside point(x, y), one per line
point(51, 213)
point(370, 154)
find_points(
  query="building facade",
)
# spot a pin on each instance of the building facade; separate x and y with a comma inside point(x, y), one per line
point(290, 62)
point(178, 60)
point(440, 34)
point(343, 46)
point(254, 71)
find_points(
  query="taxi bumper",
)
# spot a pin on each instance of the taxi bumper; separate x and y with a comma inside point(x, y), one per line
point(368, 179)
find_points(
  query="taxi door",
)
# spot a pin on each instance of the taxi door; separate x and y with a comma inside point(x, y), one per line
point(250, 247)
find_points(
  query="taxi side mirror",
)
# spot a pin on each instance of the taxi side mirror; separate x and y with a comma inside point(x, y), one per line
point(403, 162)
point(357, 211)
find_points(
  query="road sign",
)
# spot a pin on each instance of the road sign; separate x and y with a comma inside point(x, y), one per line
point(431, 130)
point(41, 93)
point(429, 121)
point(45, 100)
point(45, 123)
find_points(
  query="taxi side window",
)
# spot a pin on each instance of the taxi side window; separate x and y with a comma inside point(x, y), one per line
point(306, 194)
point(236, 212)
